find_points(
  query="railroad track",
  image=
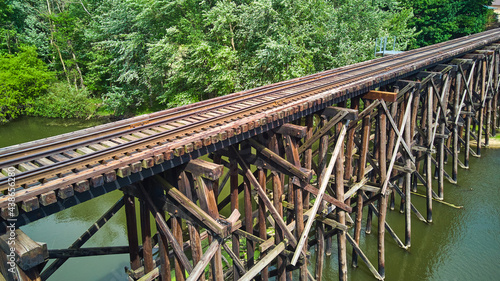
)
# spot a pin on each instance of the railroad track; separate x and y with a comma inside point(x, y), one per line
point(40, 162)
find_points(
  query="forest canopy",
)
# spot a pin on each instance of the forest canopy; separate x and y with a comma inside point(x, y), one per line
point(133, 56)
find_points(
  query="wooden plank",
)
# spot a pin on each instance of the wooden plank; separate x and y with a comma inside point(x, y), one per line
point(48, 198)
point(264, 262)
point(199, 269)
point(381, 95)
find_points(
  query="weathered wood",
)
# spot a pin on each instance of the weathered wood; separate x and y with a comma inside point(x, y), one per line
point(202, 168)
point(27, 253)
point(332, 111)
point(396, 148)
point(339, 189)
point(302, 174)
point(264, 262)
point(191, 207)
point(292, 130)
point(200, 266)
point(278, 219)
point(87, 252)
point(303, 238)
point(381, 95)
point(363, 257)
point(147, 246)
point(233, 171)
point(179, 252)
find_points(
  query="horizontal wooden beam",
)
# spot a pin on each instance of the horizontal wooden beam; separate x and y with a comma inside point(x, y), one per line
point(292, 130)
point(202, 168)
point(381, 95)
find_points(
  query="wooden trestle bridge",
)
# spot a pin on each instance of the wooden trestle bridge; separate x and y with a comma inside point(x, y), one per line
point(302, 157)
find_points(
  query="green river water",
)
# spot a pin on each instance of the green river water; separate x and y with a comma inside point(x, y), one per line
point(461, 244)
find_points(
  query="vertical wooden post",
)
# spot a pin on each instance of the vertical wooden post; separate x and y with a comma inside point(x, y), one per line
point(481, 108)
point(495, 94)
point(308, 155)
point(248, 221)
point(185, 186)
point(277, 202)
point(428, 159)
point(235, 204)
point(458, 96)
point(468, 122)
point(177, 232)
point(382, 203)
point(133, 240)
point(407, 201)
point(320, 227)
point(147, 247)
point(339, 190)
point(262, 220)
point(164, 259)
point(392, 139)
point(363, 151)
point(292, 155)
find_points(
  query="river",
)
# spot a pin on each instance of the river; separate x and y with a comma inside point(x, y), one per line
point(460, 244)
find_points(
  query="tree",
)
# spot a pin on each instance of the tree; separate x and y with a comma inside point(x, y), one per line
point(441, 20)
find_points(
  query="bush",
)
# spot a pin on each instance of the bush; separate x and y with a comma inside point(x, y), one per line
point(65, 101)
point(23, 77)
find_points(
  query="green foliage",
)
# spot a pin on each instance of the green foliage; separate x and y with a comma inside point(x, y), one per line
point(442, 20)
point(23, 77)
point(64, 101)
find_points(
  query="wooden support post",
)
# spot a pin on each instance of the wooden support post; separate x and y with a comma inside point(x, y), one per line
point(339, 148)
point(407, 201)
point(147, 247)
point(177, 232)
point(234, 206)
point(382, 203)
point(480, 111)
point(247, 204)
point(185, 187)
point(133, 240)
point(164, 259)
point(199, 269)
point(339, 189)
point(292, 155)
point(277, 202)
point(262, 221)
point(363, 154)
point(428, 159)
point(308, 155)
point(458, 94)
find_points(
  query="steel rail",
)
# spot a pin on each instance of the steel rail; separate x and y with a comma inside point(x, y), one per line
point(96, 157)
point(53, 147)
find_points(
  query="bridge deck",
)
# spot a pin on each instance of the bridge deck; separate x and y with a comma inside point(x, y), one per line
point(78, 166)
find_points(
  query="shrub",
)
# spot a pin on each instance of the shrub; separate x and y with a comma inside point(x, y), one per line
point(64, 101)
